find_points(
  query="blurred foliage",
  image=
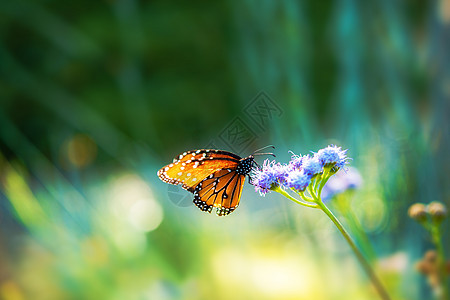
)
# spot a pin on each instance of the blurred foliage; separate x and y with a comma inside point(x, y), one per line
point(96, 96)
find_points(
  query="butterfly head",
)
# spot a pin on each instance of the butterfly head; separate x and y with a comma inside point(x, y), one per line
point(257, 152)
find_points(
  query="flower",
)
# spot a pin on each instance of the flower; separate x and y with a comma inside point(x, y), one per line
point(311, 165)
point(332, 155)
point(296, 161)
point(298, 180)
point(340, 182)
point(353, 178)
point(270, 176)
point(282, 172)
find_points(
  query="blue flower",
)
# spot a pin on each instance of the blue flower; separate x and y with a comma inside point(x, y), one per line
point(353, 178)
point(311, 165)
point(298, 180)
point(270, 176)
point(332, 155)
point(282, 173)
point(342, 181)
point(296, 162)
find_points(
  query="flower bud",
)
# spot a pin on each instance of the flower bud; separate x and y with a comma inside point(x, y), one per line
point(437, 210)
point(418, 212)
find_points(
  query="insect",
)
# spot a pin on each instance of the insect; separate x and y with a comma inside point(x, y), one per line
point(215, 177)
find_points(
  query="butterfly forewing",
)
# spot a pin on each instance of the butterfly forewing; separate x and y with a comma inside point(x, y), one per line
point(190, 168)
point(206, 154)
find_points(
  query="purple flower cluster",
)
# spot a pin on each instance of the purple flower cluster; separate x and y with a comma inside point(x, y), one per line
point(299, 172)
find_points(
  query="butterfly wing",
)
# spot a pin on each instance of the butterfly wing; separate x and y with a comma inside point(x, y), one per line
point(221, 190)
point(191, 167)
point(206, 153)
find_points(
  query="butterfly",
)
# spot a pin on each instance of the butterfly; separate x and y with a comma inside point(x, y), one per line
point(215, 177)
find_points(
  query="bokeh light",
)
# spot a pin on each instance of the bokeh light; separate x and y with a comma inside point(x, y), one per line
point(80, 150)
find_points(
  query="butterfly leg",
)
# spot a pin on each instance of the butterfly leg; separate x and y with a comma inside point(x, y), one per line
point(250, 179)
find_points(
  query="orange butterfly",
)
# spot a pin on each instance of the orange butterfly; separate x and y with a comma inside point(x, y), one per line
point(215, 177)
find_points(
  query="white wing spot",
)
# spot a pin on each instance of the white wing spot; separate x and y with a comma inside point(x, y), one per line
point(179, 173)
point(188, 174)
point(166, 169)
point(194, 179)
point(182, 168)
point(171, 165)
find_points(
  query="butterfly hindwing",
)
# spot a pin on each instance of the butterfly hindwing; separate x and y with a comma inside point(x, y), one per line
point(221, 190)
point(191, 167)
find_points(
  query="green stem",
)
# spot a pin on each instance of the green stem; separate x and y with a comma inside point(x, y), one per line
point(317, 180)
point(366, 266)
point(304, 197)
point(284, 193)
point(356, 229)
point(326, 175)
point(436, 234)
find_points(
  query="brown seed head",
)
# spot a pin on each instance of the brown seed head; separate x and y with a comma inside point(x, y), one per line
point(418, 212)
point(437, 210)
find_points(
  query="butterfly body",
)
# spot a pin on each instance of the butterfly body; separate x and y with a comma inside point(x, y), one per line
point(215, 177)
point(245, 165)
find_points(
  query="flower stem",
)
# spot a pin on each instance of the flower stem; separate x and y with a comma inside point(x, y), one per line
point(366, 266)
point(436, 235)
point(342, 204)
point(326, 175)
point(284, 193)
point(303, 196)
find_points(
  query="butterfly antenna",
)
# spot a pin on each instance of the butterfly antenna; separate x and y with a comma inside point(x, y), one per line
point(269, 146)
point(265, 154)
